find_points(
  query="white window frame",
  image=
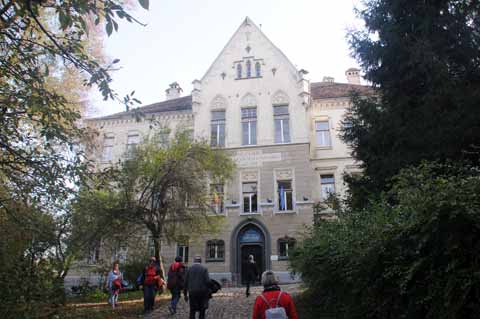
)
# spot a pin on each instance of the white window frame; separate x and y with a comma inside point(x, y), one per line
point(278, 194)
point(325, 134)
point(285, 117)
point(324, 193)
point(130, 147)
point(217, 123)
point(108, 155)
point(249, 195)
point(276, 179)
point(219, 209)
point(249, 121)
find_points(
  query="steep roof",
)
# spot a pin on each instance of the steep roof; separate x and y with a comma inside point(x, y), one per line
point(183, 103)
point(328, 90)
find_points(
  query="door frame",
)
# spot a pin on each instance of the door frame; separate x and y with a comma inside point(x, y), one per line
point(235, 255)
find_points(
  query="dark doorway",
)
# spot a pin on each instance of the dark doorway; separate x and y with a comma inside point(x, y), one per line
point(251, 241)
point(257, 252)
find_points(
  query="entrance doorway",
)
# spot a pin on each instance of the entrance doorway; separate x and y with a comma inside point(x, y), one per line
point(251, 241)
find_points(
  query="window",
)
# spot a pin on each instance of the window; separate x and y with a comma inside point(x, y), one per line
point(218, 129)
point(239, 71)
point(163, 137)
point(282, 128)
point(94, 253)
point(285, 195)
point(215, 250)
point(249, 197)
point(132, 141)
point(285, 247)
point(249, 126)
point(108, 147)
point(327, 185)
point(182, 248)
point(249, 69)
point(217, 195)
point(323, 133)
point(258, 70)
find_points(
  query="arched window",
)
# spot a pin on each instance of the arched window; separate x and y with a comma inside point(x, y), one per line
point(215, 250)
point(249, 69)
point(258, 70)
point(285, 247)
point(239, 71)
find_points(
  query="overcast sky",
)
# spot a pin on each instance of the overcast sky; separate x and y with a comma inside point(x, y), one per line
point(183, 37)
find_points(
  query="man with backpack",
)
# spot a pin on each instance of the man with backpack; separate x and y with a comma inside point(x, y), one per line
point(273, 303)
point(175, 282)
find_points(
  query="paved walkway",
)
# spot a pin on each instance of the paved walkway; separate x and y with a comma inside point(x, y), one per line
point(228, 303)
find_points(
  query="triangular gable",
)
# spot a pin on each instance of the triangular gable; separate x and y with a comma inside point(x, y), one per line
point(257, 29)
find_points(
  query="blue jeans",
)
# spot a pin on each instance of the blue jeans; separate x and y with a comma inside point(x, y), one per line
point(175, 298)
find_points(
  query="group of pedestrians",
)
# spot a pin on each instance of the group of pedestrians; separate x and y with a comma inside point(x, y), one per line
point(197, 288)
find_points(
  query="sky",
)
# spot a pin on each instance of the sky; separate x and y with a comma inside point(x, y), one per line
point(182, 38)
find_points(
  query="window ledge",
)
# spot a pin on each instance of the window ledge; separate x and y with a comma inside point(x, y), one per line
point(249, 78)
point(214, 260)
point(306, 202)
point(267, 204)
point(285, 212)
point(250, 214)
point(323, 147)
point(232, 205)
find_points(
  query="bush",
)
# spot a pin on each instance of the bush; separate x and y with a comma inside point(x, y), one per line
point(415, 255)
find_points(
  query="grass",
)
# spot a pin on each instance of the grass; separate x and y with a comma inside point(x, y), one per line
point(126, 311)
point(95, 306)
point(100, 296)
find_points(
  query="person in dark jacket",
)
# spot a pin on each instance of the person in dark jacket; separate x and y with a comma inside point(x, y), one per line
point(197, 285)
point(152, 274)
point(251, 273)
point(175, 283)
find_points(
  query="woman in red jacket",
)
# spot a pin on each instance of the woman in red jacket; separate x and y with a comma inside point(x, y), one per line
point(273, 297)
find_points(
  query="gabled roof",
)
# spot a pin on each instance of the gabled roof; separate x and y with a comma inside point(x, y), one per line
point(183, 103)
point(249, 22)
point(329, 90)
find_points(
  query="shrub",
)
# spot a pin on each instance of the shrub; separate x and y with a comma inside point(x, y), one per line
point(415, 255)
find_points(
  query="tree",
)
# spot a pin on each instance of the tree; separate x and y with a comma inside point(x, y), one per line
point(423, 59)
point(162, 188)
point(40, 131)
point(41, 161)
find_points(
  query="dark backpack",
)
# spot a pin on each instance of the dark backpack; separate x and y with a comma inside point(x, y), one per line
point(175, 277)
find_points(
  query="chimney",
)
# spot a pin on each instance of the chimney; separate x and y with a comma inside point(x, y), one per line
point(328, 79)
point(174, 91)
point(353, 76)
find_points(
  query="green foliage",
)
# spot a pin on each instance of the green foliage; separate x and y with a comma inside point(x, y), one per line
point(418, 258)
point(422, 58)
point(161, 187)
point(41, 163)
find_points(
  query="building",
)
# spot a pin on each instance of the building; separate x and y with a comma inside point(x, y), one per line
point(281, 130)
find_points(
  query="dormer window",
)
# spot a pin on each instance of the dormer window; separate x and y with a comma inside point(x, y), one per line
point(258, 70)
point(249, 69)
point(239, 71)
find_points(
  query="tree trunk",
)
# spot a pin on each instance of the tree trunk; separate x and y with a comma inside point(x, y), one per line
point(157, 242)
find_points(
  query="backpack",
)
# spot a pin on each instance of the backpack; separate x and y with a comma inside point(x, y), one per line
point(277, 312)
point(172, 278)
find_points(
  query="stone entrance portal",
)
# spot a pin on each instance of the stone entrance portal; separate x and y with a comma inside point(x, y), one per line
point(249, 238)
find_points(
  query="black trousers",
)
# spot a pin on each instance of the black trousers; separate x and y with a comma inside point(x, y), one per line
point(198, 303)
point(149, 292)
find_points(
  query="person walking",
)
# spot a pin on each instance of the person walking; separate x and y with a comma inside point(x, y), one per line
point(152, 275)
point(114, 284)
point(176, 282)
point(273, 300)
point(251, 273)
point(197, 285)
